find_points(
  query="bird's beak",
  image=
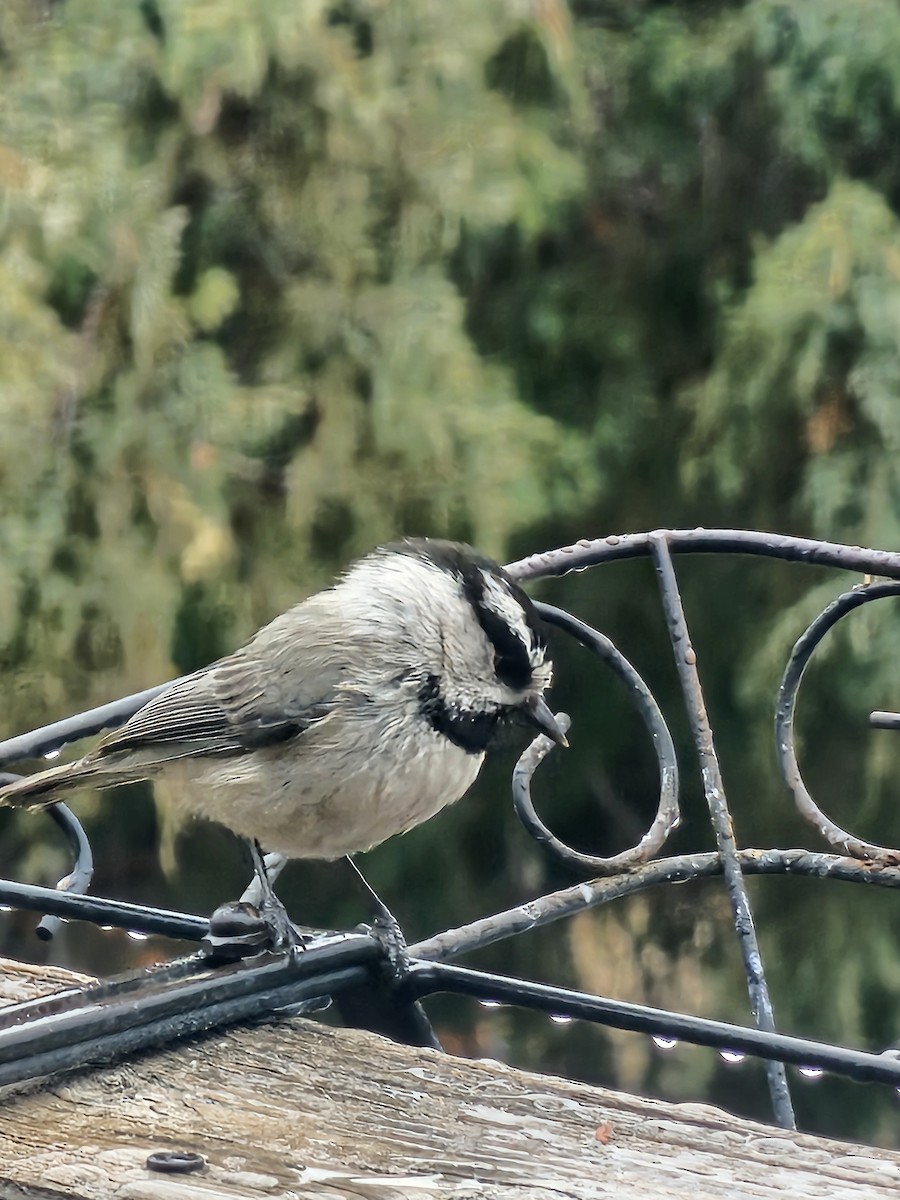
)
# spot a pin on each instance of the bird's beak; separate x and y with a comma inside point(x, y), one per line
point(537, 713)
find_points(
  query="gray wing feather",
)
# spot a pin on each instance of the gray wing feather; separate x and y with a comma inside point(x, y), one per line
point(186, 716)
point(263, 693)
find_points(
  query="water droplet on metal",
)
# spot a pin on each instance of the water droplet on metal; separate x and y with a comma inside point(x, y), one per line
point(732, 1056)
point(490, 1003)
point(665, 1043)
point(559, 1019)
point(52, 754)
point(138, 937)
point(811, 1072)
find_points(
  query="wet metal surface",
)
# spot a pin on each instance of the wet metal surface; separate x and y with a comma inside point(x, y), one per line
point(720, 816)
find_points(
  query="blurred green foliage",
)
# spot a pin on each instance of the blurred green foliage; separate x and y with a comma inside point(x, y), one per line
point(279, 281)
point(226, 250)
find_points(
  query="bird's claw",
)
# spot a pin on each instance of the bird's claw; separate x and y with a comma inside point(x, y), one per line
point(386, 930)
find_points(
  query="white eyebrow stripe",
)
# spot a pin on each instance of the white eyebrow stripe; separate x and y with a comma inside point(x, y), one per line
point(503, 603)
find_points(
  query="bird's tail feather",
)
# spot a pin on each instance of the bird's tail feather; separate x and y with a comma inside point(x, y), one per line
point(46, 787)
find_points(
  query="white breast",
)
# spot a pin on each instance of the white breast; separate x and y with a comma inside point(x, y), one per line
point(331, 797)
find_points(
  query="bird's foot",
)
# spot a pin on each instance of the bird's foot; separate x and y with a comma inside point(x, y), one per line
point(285, 934)
point(387, 932)
point(385, 927)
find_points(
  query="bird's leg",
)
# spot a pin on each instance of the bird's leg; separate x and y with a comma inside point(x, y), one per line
point(256, 922)
point(273, 911)
point(385, 926)
point(274, 864)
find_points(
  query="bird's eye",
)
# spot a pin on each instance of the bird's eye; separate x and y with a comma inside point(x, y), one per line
point(512, 658)
point(509, 622)
point(510, 673)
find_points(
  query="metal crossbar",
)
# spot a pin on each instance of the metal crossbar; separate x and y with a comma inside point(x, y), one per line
point(367, 980)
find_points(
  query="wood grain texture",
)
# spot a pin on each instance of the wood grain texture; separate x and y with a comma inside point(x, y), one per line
point(298, 1109)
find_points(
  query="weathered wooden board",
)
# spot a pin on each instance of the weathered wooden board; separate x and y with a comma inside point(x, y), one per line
point(298, 1109)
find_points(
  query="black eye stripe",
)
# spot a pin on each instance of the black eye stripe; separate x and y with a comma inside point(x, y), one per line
point(513, 659)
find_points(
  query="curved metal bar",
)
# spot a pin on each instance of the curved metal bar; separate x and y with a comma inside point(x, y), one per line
point(51, 737)
point(591, 552)
point(79, 878)
point(556, 906)
point(667, 814)
point(577, 557)
point(485, 931)
point(661, 545)
point(837, 837)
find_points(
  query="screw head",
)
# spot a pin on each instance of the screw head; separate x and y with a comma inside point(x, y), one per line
point(175, 1162)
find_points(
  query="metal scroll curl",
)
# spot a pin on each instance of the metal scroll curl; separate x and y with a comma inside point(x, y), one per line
point(840, 839)
point(668, 813)
point(78, 880)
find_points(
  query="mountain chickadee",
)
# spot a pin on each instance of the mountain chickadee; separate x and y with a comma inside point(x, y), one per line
point(355, 715)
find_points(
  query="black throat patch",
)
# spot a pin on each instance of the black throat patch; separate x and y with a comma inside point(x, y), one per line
point(470, 731)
